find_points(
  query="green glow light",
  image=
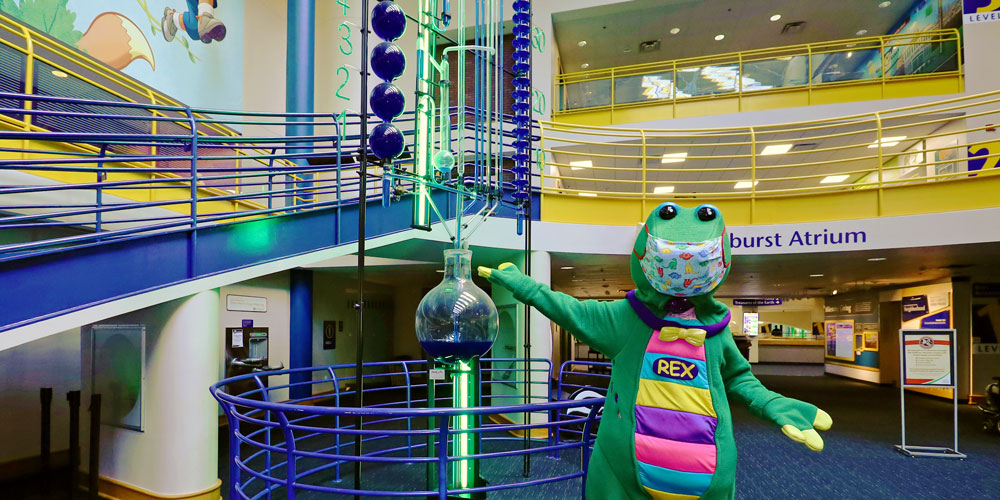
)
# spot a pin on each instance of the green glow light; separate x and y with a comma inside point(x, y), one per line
point(463, 472)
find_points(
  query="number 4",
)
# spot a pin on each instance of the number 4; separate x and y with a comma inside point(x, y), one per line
point(344, 4)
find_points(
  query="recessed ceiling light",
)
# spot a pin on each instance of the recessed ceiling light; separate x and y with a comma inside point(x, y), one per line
point(580, 165)
point(673, 157)
point(674, 31)
point(835, 292)
point(884, 4)
point(584, 65)
point(589, 195)
point(582, 43)
point(833, 179)
point(663, 190)
point(60, 74)
point(862, 32)
point(440, 271)
point(815, 275)
point(566, 268)
point(775, 149)
point(745, 184)
point(887, 142)
point(775, 17)
point(627, 49)
point(876, 259)
point(720, 36)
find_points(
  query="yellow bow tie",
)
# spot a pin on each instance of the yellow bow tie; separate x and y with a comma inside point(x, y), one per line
point(694, 336)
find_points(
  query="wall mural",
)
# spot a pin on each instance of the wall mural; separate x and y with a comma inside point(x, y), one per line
point(191, 50)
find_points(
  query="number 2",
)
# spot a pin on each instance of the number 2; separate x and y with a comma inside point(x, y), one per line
point(347, 76)
point(346, 38)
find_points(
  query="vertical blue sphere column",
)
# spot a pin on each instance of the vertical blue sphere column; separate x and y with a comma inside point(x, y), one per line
point(387, 62)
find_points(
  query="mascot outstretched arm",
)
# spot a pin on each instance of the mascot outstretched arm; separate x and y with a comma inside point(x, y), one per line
point(667, 431)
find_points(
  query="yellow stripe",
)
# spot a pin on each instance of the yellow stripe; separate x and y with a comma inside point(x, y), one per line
point(672, 396)
point(662, 495)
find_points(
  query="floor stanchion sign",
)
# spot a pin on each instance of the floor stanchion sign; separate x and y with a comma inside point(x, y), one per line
point(928, 360)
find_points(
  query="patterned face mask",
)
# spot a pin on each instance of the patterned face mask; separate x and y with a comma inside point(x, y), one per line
point(683, 269)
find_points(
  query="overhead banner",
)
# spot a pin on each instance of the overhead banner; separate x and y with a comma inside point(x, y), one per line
point(928, 360)
point(980, 11)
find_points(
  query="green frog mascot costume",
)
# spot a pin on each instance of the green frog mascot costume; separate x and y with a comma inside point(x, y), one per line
point(667, 433)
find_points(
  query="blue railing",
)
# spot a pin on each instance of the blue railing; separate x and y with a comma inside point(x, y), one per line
point(300, 445)
point(81, 172)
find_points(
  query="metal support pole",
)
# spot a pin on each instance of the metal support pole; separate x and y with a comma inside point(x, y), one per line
point(94, 462)
point(362, 202)
point(193, 238)
point(46, 445)
point(74, 443)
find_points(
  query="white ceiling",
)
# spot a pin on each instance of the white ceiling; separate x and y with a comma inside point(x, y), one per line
point(610, 30)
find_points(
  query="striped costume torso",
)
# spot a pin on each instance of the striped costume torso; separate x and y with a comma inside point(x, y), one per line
point(675, 416)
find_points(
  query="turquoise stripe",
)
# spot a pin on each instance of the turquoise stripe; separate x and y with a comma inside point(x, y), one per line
point(649, 363)
point(672, 481)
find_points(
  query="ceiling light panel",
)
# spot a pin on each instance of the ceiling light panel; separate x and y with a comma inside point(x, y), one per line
point(775, 149)
point(834, 179)
point(673, 157)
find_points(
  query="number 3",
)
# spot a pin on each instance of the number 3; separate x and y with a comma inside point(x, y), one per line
point(346, 38)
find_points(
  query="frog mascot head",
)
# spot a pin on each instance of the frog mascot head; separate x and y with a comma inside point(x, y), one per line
point(680, 252)
point(667, 430)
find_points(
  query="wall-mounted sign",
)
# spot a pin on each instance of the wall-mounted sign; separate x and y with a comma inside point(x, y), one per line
point(927, 357)
point(329, 335)
point(751, 324)
point(840, 339)
point(980, 11)
point(765, 301)
point(914, 307)
point(246, 303)
point(938, 320)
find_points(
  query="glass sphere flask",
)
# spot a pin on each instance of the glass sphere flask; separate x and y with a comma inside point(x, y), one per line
point(457, 320)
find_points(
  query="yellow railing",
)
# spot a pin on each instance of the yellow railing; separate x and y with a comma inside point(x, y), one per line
point(930, 157)
point(39, 47)
point(805, 69)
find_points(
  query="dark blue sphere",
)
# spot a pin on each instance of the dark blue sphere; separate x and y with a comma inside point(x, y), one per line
point(387, 101)
point(386, 141)
point(388, 20)
point(388, 61)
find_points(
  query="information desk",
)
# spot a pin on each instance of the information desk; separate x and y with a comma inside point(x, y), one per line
point(790, 350)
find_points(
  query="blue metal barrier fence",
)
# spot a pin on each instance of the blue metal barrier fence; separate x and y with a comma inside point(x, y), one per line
point(306, 445)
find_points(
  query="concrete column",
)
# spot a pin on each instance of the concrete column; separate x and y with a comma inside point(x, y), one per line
point(177, 451)
point(541, 327)
point(961, 296)
point(300, 77)
point(300, 330)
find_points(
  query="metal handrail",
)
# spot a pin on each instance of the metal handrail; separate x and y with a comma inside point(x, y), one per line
point(929, 142)
point(810, 51)
point(96, 177)
point(285, 445)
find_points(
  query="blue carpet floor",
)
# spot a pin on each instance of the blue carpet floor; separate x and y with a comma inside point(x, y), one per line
point(859, 461)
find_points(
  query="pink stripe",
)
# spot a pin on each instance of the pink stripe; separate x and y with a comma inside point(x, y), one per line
point(678, 347)
point(675, 455)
